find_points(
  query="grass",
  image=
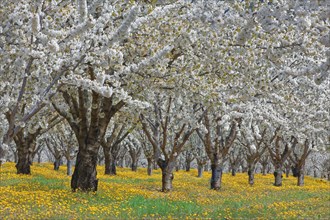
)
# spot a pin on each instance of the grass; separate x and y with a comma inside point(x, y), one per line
point(46, 194)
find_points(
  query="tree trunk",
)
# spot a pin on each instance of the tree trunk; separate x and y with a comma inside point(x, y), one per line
point(300, 177)
point(177, 168)
point(187, 165)
point(216, 176)
point(233, 171)
point(269, 168)
point(263, 170)
point(84, 175)
point(287, 171)
point(155, 165)
point(16, 157)
point(109, 163)
point(134, 167)
point(39, 158)
point(149, 169)
point(206, 167)
point(112, 168)
point(278, 177)
point(315, 174)
point(167, 168)
point(69, 167)
point(134, 164)
point(57, 163)
point(122, 162)
point(25, 155)
point(251, 175)
point(24, 163)
point(200, 170)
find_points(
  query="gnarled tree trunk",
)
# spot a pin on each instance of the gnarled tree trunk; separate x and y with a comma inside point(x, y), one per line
point(24, 159)
point(216, 176)
point(25, 148)
point(84, 175)
point(167, 168)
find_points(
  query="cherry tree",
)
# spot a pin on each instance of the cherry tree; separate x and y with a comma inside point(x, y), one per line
point(113, 45)
point(116, 133)
point(198, 150)
point(134, 149)
point(168, 127)
point(147, 149)
point(236, 155)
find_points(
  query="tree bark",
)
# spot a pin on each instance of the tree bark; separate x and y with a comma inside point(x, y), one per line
point(177, 167)
point(287, 171)
point(149, 169)
point(69, 167)
point(39, 158)
point(188, 166)
point(251, 175)
point(264, 170)
point(155, 165)
point(109, 162)
point(216, 176)
point(25, 155)
point(206, 167)
point(278, 177)
point(84, 175)
point(24, 162)
point(167, 168)
point(134, 164)
point(300, 177)
point(57, 163)
point(200, 170)
point(16, 157)
point(233, 171)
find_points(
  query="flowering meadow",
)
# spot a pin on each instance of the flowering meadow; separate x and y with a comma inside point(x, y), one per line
point(46, 194)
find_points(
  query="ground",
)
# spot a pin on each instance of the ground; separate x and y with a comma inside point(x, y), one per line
point(46, 194)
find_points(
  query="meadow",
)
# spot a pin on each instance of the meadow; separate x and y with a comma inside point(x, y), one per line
point(46, 194)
